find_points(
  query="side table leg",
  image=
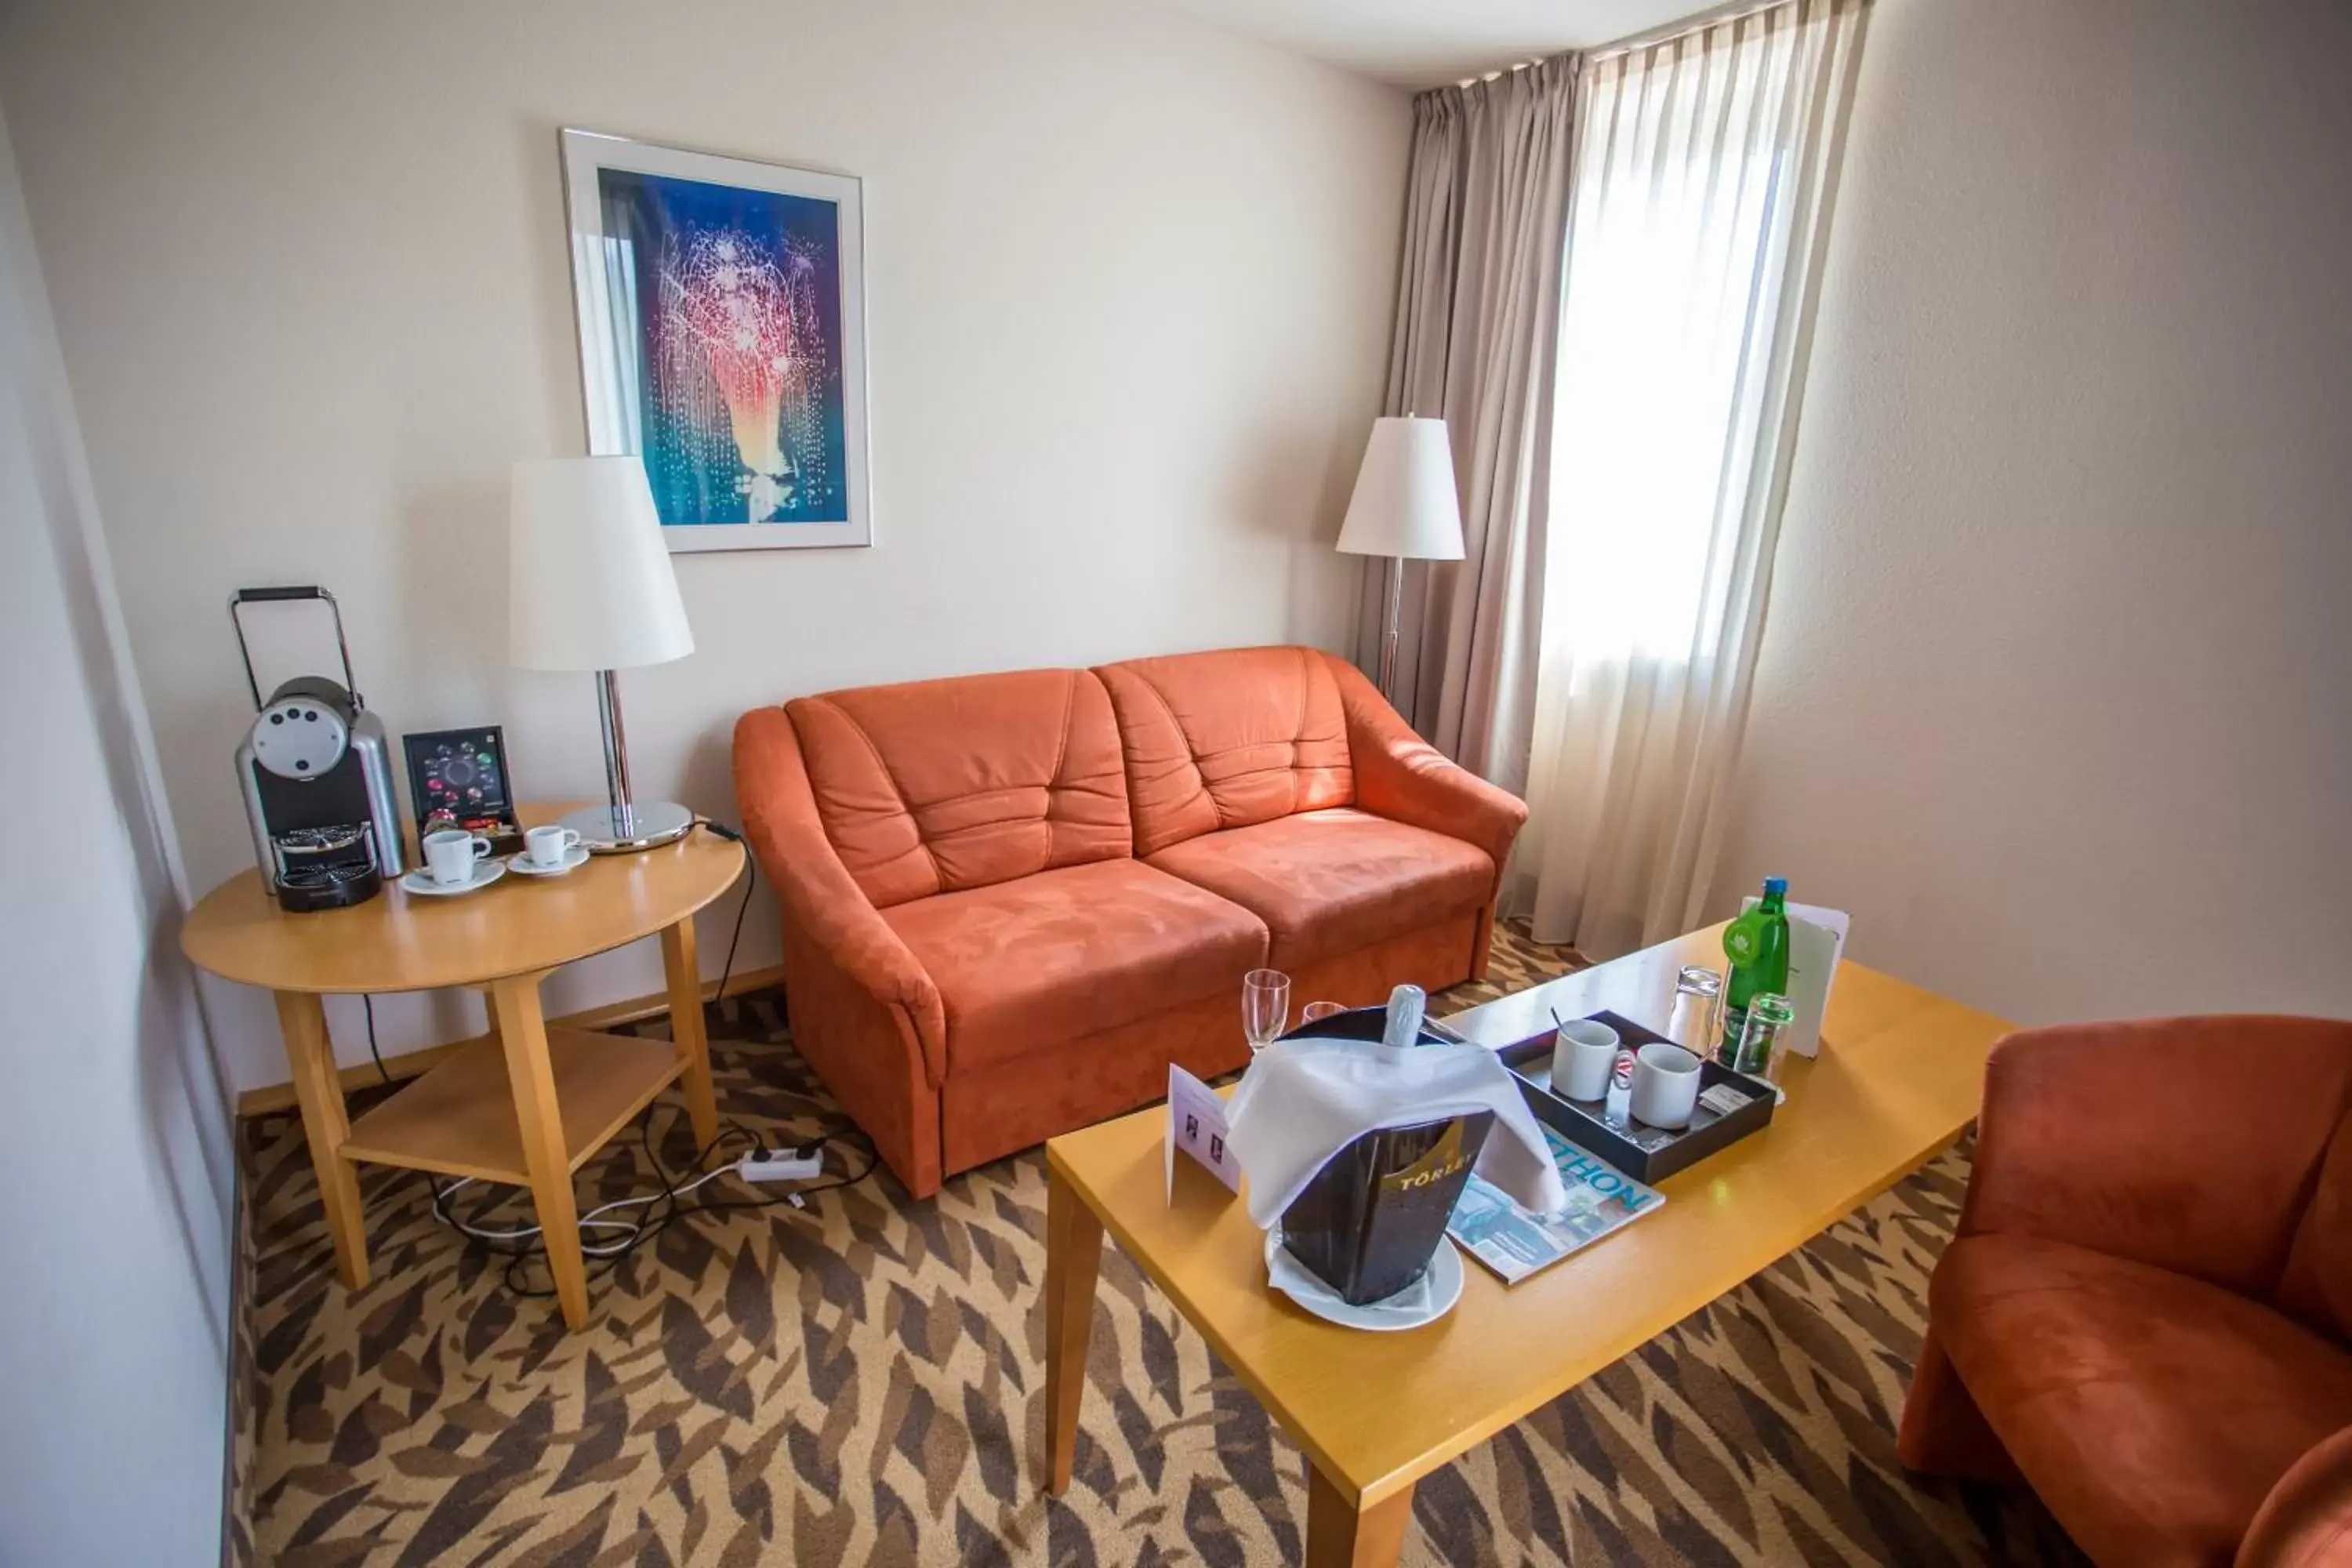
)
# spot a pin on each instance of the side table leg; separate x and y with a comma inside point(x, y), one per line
point(523, 1031)
point(685, 976)
point(1340, 1534)
point(1073, 1255)
point(325, 1125)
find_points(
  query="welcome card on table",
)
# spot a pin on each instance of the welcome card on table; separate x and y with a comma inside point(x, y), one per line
point(1196, 1124)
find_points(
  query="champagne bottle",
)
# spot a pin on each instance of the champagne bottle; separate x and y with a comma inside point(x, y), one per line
point(1757, 943)
point(1407, 1005)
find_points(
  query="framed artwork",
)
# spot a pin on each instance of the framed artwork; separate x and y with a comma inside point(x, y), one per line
point(723, 339)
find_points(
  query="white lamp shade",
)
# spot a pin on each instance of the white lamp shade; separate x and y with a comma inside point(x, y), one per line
point(590, 584)
point(1404, 502)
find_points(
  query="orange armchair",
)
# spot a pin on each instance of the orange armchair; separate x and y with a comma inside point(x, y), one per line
point(2145, 1310)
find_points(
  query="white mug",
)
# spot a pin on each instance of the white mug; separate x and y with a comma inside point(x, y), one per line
point(1581, 1055)
point(449, 856)
point(1665, 1086)
point(549, 846)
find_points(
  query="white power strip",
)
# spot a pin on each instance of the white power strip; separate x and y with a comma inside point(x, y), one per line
point(780, 1165)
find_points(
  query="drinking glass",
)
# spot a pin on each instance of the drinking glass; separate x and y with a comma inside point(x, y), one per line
point(1316, 1012)
point(1697, 1017)
point(1769, 1021)
point(1265, 1005)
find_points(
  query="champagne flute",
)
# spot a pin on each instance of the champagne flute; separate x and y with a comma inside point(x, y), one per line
point(1316, 1012)
point(1265, 1007)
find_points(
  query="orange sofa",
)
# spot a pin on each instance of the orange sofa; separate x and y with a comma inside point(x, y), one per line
point(1011, 900)
point(2145, 1310)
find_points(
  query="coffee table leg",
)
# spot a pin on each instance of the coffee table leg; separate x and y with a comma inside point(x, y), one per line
point(1073, 1255)
point(325, 1125)
point(1341, 1535)
point(685, 976)
point(523, 1031)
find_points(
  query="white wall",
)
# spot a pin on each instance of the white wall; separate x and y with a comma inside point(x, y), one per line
point(115, 1145)
point(1129, 284)
point(2056, 691)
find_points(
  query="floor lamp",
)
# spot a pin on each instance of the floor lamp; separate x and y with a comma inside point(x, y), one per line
point(591, 588)
point(1404, 508)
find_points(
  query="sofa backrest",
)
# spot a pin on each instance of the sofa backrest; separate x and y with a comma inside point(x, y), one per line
point(1228, 739)
point(936, 785)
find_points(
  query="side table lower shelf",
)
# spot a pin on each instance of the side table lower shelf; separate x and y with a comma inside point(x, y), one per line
point(459, 1118)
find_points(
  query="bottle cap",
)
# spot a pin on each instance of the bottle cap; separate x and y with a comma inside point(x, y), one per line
point(1776, 885)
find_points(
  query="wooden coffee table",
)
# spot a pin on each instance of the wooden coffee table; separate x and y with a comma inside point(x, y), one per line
point(1898, 1078)
point(525, 1104)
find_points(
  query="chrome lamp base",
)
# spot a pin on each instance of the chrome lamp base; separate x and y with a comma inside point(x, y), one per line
point(619, 830)
point(624, 825)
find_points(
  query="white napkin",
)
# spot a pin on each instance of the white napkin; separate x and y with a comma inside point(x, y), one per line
point(1302, 1101)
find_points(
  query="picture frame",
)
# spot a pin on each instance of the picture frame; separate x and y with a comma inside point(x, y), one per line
point(720, 305)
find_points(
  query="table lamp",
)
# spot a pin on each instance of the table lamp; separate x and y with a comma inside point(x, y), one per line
point(1404, 508)
point(591, 588)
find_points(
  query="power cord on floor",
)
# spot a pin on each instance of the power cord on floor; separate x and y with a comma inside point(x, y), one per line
point(519, 1244)
point(675, 1208)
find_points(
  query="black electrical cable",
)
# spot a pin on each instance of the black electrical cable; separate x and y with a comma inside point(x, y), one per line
point(749, 881)
point(381, 1070)
point(440, 1194)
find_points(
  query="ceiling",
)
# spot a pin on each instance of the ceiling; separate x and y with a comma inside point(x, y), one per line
point(1429, 43)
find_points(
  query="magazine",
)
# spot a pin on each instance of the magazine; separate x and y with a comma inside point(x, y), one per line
point(1516, 1242)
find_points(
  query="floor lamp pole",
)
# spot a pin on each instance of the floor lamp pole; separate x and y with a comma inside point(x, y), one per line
point(1391, 626)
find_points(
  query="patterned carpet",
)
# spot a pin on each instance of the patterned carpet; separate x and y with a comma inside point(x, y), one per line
point(861, 1381)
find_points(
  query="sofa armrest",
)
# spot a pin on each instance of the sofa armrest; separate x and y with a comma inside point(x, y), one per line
point(1400, 776)
point(820, 897)
point(2185, 1143)
point(2306, 1520)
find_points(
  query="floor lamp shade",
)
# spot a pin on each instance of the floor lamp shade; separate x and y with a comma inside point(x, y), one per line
point(590, 583)
point(590, 586)
point(1405, 504)
point(1404, 508)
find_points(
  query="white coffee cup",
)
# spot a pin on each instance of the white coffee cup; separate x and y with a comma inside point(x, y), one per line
point(1581, 1053)
point(449, 856)
point(549, 846)
point(1665, 1086)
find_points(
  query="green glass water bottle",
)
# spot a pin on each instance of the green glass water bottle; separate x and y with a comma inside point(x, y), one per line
point(1757, 943)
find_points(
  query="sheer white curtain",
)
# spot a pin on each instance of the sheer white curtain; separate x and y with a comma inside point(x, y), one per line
point(1703, 174)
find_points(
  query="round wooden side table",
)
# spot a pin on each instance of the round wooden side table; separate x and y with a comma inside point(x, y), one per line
point(524, 1104)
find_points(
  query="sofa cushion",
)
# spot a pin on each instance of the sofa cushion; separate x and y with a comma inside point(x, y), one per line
point(2152, 1412)
point(937, 785)
point(1327, 882)
point(1228, 739)
point(1027, 964)
point(2316, 1284)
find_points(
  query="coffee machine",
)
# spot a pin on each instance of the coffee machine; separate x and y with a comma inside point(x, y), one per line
point(316, 774)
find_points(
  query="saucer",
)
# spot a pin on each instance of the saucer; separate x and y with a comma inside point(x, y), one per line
point(1424, 1300)
point(573, 858)
point(485, 872)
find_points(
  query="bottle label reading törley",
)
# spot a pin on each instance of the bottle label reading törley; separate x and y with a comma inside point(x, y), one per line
point(1428, 1173)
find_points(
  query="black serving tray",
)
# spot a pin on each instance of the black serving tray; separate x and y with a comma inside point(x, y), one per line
point(1646, 1154)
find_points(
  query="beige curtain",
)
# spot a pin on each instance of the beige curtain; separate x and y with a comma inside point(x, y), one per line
point(1705, 168)
point(1478, 316)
